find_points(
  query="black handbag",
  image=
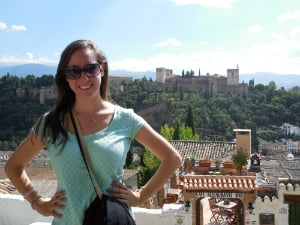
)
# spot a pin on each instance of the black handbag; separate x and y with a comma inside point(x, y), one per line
point(104, 210)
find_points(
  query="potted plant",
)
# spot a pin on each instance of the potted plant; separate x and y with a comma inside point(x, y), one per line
point(229, 165)
point(205, 163)
point(240, 159)
point(217, 163)
point(193, 160)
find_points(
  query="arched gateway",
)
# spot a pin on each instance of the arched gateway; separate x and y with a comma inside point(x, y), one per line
point(229, 197)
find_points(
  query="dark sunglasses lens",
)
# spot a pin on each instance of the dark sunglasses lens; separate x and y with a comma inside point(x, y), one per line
point(73, 72)
point(92, 70)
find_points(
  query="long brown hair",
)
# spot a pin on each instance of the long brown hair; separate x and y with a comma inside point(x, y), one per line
point(54, 120)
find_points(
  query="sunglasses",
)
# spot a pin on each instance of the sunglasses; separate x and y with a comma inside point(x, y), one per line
point(74, 72)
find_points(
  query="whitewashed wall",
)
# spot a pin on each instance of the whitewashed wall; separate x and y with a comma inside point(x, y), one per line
point(14, 210)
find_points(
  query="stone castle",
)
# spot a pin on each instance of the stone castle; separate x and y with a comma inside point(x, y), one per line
point(209, 85)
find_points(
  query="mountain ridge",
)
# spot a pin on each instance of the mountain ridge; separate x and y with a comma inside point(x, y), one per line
point(281, 80)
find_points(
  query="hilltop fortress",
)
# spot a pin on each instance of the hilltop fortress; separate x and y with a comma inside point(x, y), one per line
point(209, 85)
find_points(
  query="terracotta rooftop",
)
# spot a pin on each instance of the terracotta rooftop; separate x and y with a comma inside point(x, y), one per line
point(219, 183)
point(205, 149)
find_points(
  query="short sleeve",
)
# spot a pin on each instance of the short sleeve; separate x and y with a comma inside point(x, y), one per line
point(38, 129)
point(137, 122)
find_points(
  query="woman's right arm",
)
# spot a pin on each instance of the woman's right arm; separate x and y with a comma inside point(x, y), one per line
point(15, 170)
point(15, 166)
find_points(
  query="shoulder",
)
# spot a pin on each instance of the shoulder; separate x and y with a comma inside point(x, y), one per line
point(122, 110)
point(127, 113)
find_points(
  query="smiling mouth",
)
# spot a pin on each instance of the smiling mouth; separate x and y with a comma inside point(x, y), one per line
point(85, 87)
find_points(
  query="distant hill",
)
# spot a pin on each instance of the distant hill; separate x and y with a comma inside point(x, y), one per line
point(40, 69)
point(282, 80)
point(28, 69)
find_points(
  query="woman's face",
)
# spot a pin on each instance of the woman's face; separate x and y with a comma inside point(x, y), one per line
point(84, 86)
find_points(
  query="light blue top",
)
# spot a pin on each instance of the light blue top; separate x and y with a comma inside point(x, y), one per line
point(108, 150)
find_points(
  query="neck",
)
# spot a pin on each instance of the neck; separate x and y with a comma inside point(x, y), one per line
point(85, 106)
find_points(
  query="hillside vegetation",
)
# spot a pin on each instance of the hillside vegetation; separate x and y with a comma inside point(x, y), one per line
point(263, 110)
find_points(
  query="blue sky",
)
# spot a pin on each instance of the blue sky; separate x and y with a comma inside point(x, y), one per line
point(140, 35)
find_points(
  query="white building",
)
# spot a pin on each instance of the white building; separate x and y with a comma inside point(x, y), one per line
point(290, 129)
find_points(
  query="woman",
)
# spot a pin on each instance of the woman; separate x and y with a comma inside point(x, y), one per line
point(108, 130)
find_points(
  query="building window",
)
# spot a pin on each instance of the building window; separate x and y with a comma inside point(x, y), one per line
point(266, 219)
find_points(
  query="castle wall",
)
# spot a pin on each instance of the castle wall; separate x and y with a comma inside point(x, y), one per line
point(210, 85)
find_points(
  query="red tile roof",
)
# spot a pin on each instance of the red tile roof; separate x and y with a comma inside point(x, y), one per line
point(218, 183)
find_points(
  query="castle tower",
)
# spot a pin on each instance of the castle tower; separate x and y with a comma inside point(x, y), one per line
point(42, 95)
point(233, 76)
point(162, 74)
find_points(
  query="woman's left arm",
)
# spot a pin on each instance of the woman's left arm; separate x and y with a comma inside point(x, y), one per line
point(170, 161)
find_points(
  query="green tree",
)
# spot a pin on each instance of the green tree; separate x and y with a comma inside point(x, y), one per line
point(189, 121)
point(186, 133)
point(176, 134)
point(151, 163)
point(129, 159)
point(167, 132)
point(240, 159)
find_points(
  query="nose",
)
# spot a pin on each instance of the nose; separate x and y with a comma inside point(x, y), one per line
point(84, 76)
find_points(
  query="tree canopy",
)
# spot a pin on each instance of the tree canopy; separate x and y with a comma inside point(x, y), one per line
point(263, 110)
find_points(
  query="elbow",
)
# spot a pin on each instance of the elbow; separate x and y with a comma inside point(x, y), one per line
point(177, 160)
point(7, 168)
point(10, 168)
point(172, 161)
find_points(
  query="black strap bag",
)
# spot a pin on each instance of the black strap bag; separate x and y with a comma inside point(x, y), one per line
point(104, 210)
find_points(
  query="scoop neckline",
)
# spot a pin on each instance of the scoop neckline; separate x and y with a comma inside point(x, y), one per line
point(102, 130)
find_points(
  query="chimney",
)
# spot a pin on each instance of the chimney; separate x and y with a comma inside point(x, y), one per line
point(243, 140)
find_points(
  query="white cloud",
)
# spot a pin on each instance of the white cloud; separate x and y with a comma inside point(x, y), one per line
point(13, 60)
point(206, 3)
point(18, 28)
point(29, 58)
point(278, 57)
point(170, 42)
point(295, 32)
point(29, 55)
point(272, 57)
point(208, 62)
point(288, 16)
point(55, 54)
point(278, 35)
point(255, 29)
point(3, 26)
